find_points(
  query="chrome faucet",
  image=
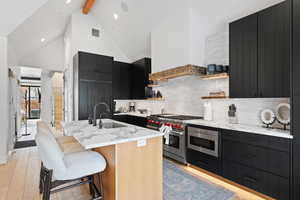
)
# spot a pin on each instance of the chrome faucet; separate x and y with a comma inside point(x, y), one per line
point(95, 112)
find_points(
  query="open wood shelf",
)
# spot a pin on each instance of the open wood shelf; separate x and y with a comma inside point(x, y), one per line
point(215, 97)
point(177, 72)
point(215, 76)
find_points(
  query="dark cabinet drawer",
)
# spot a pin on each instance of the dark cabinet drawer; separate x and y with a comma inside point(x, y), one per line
point(204, 161)
point(269, 160)
point(266, 183)
point(276, 143)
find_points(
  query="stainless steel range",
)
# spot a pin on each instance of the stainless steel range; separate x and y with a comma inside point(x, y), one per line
point(176, 147)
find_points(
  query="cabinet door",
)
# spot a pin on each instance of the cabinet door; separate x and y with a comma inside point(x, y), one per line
point(243, 57)
point(140, 77)
point(121, 80)
point(95, 67)
point(91, 93)
point(274, 51)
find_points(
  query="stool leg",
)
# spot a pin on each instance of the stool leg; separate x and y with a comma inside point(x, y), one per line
point(101, 185)
point(41, 186)
point(47, 184)
point(92, 190)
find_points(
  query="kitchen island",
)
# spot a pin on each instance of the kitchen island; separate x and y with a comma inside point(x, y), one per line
point(133, 155)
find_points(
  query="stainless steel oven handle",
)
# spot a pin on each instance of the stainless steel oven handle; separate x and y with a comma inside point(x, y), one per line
point(176, 132)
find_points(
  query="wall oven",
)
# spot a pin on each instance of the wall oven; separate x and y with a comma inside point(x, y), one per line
point(203, 148)
point(203, 140)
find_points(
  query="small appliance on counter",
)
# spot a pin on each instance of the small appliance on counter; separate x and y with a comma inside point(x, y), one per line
point(232, 115)
point(132, 106)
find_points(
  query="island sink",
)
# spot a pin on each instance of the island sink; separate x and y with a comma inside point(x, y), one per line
point(109, 125)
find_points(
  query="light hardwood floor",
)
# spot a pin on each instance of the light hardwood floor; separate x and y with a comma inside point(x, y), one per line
point(19, 180)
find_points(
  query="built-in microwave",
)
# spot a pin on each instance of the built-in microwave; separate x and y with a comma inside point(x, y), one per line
point(203, 140)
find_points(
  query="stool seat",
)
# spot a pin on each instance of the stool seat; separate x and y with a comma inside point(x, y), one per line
point(81, 164)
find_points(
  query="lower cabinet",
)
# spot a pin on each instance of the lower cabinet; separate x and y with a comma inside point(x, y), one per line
point(130, 119)
point(204, 161)
point(258, 180)
point(261, 163)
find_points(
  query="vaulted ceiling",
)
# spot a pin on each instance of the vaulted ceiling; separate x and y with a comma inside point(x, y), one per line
point(48, 22)
point(132, 30)
point(14, 12)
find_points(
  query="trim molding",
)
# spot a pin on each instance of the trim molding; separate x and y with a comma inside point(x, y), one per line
point(3, 160)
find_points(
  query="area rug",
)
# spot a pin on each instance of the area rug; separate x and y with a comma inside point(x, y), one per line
point(180, 185)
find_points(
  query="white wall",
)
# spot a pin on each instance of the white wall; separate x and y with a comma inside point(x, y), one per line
point(49, 57)
point(170, 41)
point(82, 39)
point(47, 96)
point(4, 106)
point(68, 73)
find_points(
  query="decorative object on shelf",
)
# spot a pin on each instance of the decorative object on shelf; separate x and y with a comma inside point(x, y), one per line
point(232, 115)
point(208, 112)
point(177, 72)
point(283, 114)
point(211, 69)
point(214, 76)
point(225, 68)
point(268, 117)
point(219, 69)
point(216, 95)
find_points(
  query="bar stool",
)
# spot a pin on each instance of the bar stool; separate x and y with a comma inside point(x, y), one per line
point(58, 168)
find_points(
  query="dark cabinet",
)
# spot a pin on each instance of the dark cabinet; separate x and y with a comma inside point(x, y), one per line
point(267, 183)
point(243, 57)
point(204, 161)
point(274, 51)
point(122, 80)
point(140, 73)
point(260, 54)
point(259, 162)
point(92, 83)
point(130, 119)
point(295, 97)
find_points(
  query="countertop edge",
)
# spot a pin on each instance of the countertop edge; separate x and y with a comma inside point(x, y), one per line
point(258, 132)
point(122, 141)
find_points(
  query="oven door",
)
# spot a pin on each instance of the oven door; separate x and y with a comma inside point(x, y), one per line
point(176, 143)
point(205, 141)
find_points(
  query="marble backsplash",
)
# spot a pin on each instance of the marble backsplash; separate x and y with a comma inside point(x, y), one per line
point(183, 96)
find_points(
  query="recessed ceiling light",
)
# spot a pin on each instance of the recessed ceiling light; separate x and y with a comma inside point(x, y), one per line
point(68, 1)
point(116, 16)
point(43, 40)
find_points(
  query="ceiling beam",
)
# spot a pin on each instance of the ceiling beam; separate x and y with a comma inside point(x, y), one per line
point(88, 6)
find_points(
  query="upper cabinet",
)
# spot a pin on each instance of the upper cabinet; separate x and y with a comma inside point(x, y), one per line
point(140, 71)
point(260, 54)
point(243, 57)
point(122, 80)
point(274, 51)
point(130, 80)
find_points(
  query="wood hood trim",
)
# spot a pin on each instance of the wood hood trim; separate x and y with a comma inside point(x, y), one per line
point(177, 72)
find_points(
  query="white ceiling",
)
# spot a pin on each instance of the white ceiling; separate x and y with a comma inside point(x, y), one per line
point(132, 30)
point(14, 12)
point(47, 22)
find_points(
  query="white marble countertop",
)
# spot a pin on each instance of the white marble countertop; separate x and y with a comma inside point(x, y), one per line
point(137, 114)
point(243, 128)
point(91, 137)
